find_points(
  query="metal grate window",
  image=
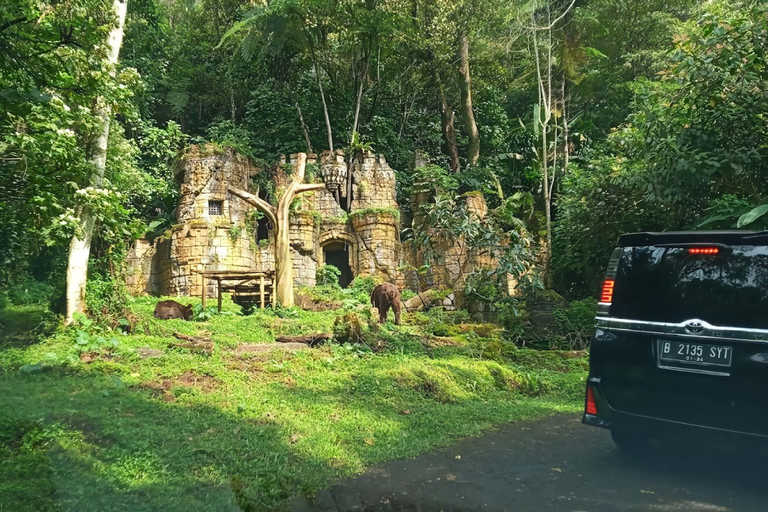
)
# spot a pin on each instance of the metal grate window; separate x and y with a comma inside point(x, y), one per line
point(215, 207)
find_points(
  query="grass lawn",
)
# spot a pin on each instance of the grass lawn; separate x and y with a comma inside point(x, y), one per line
point(136, 424)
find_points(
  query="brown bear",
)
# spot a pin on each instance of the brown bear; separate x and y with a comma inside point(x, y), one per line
point(386, 296)
point(168, 309)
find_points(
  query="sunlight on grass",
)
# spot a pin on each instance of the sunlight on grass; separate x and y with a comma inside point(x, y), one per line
point(147, 426)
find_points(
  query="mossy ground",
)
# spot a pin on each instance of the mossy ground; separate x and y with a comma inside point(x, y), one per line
point(145, 426)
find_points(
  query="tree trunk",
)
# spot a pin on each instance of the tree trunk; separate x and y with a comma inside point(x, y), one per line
point(467, 113)
point(325, 110)
point(304, 128)
point(447, 119)
point(280, 218)
point(283, 260)
point(566, 148)
point(357, 108)
point(80, 246)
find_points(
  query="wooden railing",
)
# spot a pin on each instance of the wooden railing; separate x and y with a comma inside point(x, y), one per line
point(250, 284)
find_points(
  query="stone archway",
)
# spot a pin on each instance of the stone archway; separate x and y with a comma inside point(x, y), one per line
point(340, 251)
point(337, 254)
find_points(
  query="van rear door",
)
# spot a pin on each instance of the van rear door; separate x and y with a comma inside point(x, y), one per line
point(686, 337)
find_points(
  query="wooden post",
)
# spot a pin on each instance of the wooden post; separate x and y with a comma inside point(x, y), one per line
point(273, 293)
point(204, 294)
point(219, 281)
point(261, 290)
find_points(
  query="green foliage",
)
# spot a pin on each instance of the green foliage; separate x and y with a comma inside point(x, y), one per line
point(203, 315)
point(27, 291)
point(363, 287)
point(234, 232)
point(357, 145)
point(90, 336)
point(342, 408)
point(693, 155)
point(576, 322)
point(228, 134)
point(433, 181)
point(106, 298)
point(328, 275)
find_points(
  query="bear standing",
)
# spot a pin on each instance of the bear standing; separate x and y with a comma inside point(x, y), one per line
point(386, 296)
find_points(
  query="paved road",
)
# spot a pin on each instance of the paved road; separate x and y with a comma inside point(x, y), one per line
point(554, 464)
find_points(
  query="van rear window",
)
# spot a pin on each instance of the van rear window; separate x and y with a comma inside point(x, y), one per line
point(670, 284)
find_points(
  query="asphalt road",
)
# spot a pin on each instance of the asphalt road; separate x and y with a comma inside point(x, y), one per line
point(553, 464)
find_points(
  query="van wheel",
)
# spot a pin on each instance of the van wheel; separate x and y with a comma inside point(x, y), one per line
point(628, 439)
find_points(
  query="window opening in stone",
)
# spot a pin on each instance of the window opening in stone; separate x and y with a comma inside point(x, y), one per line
point(262, 229)
point(337, 254)
point(215, 207)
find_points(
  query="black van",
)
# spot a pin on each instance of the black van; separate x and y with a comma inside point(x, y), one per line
point(681, 341)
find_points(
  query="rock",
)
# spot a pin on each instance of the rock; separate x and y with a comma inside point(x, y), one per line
point(348, 329)
point(148, 353)
point(419, 302)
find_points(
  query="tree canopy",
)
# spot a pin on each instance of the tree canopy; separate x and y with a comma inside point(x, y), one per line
point(605, 116)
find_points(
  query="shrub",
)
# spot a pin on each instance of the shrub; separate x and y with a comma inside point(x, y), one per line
point(364, 285)
point(106, 298)
point(28, 291)
point(576, 322)
point(328, 275)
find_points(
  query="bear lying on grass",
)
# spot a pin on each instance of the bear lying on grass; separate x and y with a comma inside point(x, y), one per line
point(168, 309)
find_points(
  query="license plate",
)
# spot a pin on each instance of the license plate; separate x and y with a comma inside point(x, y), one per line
point(694, 353)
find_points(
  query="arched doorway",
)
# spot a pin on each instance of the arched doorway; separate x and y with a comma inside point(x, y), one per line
point(336, 253)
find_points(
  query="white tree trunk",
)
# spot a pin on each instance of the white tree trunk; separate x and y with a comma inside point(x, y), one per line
point(80, 246)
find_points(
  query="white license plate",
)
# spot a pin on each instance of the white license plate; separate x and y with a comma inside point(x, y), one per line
point(694, 353)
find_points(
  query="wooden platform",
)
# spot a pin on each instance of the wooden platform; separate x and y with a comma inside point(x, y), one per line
point(252, 286)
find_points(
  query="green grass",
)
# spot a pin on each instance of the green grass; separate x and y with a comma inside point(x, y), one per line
point(250, 431)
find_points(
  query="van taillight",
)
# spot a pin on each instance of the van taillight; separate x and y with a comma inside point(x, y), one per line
point(703, 250)
point(591, 406)
point(606, 296)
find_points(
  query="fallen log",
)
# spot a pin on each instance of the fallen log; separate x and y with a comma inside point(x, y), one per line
point(193, 343)
point(311, 340)
point(205, 347)
point(194, 339)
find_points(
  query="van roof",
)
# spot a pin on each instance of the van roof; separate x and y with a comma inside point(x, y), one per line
point(733, 237)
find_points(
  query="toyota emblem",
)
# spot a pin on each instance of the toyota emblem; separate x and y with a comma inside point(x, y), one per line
point(694, 327)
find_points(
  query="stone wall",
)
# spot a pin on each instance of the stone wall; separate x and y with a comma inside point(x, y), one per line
point(138, 277)
point(220, 236)
point(373, 182)
point(377, 247)
point(210, 237)
point(303, 238)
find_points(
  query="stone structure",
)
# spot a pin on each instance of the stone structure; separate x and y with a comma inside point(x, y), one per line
point(218, 231)
point(453, 260)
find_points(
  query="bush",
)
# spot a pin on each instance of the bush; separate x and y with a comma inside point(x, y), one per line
point(106, 298)
point(364, 285)
point(28, 291)
point(576, 322)
point(328, 275)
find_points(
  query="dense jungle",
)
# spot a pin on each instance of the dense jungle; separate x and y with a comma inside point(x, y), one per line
point(575, 120)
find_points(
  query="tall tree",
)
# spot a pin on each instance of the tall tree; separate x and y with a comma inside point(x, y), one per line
point(279, 216)
point(467, 112)
point(96, 154)
point(544, 21)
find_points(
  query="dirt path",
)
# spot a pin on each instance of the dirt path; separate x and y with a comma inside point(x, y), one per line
point(552, 464)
